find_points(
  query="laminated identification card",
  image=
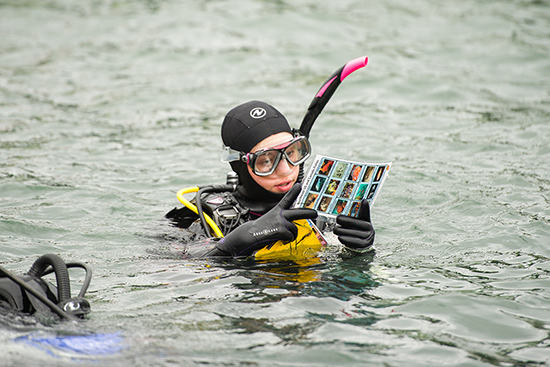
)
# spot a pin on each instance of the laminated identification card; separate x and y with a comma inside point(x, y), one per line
point(335, 186)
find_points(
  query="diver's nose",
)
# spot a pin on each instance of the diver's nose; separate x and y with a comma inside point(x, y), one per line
point(283, 168)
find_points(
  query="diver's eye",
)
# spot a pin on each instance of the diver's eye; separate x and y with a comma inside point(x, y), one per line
point(264, 162)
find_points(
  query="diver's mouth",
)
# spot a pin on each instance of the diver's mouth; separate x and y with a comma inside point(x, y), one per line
point(284, 186)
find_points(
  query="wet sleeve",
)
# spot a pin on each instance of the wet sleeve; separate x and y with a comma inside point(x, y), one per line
point(204, 248)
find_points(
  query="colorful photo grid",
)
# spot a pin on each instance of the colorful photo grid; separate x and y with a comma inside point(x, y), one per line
point(334, 186)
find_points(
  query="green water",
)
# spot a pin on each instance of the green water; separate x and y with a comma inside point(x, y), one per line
point(107, 108)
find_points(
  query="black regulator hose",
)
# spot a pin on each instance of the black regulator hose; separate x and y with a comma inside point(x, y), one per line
point(87, 279)
point(61, 274)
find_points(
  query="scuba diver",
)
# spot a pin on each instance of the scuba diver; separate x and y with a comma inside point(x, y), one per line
point(253, 210)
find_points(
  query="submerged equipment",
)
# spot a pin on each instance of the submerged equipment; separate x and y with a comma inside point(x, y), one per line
point(30, 293)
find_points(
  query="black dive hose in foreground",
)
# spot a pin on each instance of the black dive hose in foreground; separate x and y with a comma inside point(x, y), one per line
point(61, 274)
point(32, 285)
point(87, 279)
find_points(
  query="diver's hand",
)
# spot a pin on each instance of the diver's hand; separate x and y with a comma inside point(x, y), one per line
point(356, 233)
point(274, 225)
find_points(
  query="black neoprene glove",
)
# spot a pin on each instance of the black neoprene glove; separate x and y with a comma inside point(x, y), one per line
point(356, 233)
point(274, 225)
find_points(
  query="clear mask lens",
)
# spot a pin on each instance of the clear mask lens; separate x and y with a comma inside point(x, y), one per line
point(264, 162)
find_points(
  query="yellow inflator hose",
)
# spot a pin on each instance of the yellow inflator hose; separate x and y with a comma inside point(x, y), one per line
point(193, 208)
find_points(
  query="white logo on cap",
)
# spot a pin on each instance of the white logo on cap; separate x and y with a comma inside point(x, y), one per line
point(257, 113)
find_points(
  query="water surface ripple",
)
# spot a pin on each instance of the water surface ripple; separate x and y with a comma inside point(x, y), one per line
point(108, 108)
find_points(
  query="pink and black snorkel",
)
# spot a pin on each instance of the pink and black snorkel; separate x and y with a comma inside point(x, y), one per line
point(327, 90)
point(323, 96)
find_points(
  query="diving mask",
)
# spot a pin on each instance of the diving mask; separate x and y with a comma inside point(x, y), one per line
point(265, 161)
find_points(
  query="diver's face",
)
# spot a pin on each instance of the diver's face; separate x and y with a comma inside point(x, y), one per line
point(285, 175)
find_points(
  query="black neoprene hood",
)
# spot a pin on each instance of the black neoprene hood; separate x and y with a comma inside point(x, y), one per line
point(243, 128)
point(249, 123)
